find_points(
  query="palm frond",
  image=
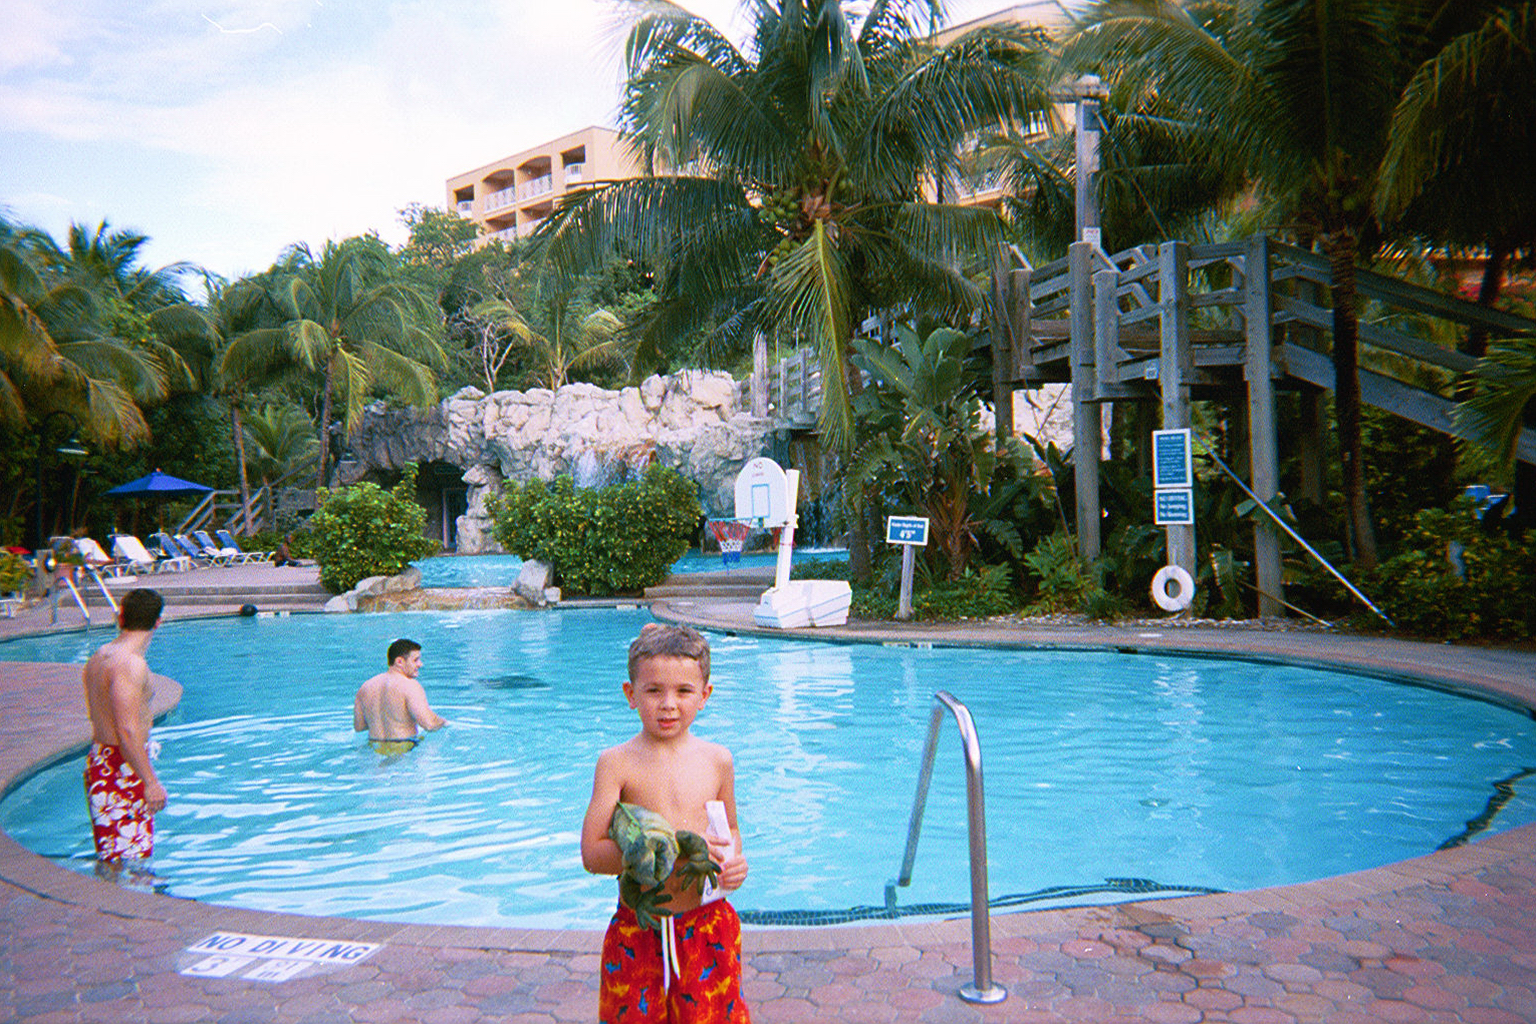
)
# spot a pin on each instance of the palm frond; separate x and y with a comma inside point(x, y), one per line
point(812, 289)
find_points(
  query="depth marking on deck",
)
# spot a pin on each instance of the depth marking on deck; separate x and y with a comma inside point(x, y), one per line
point(269, 957)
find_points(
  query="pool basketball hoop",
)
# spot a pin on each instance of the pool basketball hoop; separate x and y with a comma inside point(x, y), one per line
point(731, 535)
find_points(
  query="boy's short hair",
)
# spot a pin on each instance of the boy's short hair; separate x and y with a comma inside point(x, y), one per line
point(140, 609)
point(401, 648)
point(662, 641)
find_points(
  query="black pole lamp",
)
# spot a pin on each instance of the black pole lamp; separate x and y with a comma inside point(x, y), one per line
point(71, 446)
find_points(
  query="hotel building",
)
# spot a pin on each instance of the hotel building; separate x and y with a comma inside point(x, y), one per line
point(510, 197)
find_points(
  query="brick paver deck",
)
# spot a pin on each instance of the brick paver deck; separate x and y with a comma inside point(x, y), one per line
point(1448, 937)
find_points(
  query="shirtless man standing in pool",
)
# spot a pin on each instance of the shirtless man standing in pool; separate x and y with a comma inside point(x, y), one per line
point(392, 704)
point(121, 787)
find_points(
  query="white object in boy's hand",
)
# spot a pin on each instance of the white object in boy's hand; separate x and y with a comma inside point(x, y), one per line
point(719, 829)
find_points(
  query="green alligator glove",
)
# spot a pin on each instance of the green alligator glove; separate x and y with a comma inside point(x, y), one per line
point(694, 865)
point(652, 852)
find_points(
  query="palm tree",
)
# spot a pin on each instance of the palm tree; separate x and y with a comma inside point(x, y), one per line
point(1462, 136)
point(105, 261)
point(203, 334)
point(356, 318)
point(1297, 94)
point(58, 352)
point(795, 196)
point(1464, 126)
point(576, 339)
point(281, 440)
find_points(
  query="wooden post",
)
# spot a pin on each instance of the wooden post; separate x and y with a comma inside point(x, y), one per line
point(1023, 358)
point(1176, 366)
point(1263, 444)
point(1087, 434)
point(904, 601)
point(760, 375)
point(1002, 347)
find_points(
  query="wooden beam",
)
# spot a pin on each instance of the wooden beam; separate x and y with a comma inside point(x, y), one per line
point(1087, 431)
point(1263, 439)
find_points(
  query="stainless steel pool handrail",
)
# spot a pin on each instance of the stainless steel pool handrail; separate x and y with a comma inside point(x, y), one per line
point(983, 989)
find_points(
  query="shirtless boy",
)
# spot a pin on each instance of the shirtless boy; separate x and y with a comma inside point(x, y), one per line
point(121, 786)
point(689, 970)
point(392, 704)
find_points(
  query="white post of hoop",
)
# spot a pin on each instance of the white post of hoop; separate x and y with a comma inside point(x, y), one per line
point(787, 538)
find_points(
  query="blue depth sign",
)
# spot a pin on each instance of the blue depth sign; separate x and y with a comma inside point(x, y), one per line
point(1172, 465)
point(906, 530)
point(1174, 506)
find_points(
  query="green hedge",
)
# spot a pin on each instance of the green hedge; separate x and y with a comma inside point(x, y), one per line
point(364, 530)
point(1455, 582)
point(599, 541)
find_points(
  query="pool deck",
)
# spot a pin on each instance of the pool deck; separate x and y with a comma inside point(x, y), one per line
point(1447, 937)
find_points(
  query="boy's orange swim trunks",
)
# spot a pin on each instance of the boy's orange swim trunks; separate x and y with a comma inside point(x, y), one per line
point(706, 986)
point(121, 821)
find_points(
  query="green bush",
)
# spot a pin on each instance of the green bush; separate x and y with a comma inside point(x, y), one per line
point(15, 572)
point(599, 541)
point(1490, 598)
point(979, 593)
point(1065, 583)
point(364, 531)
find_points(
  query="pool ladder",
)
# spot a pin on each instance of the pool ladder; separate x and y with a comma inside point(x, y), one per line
point(983, 989)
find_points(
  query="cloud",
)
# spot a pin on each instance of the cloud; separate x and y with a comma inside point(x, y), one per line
point(274, 121)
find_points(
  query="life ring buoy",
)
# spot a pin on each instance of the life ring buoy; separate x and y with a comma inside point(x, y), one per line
point(1178, 599)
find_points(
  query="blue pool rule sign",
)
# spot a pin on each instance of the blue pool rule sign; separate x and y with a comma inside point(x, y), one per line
point(906, 530)
point(1172, 464)
point(1173, 506)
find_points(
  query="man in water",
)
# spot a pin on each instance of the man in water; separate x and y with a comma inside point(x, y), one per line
point(392, 704)
point(121, 787)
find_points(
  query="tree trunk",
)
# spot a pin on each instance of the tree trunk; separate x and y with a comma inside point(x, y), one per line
point(859, 538)
point(1476, 342)
point(325, 426)
point(1340, 248)
point(245, 487)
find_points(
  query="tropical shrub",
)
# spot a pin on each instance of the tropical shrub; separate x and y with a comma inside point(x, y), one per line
point(600, 541)
point(1063, 581)
point(926, 449)
point(15, 572)
point(1455, 582)
point(364, 530)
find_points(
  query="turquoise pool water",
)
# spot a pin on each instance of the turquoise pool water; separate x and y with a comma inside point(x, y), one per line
point(1193, 773)
point(501, 570)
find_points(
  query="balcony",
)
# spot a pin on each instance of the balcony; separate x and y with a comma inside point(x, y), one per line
point(575, 173)
point(499, 200)
point(536, 187)
point(505, 234)
point(465, 206)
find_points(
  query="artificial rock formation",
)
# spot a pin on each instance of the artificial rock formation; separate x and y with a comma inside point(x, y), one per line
point(693, 421)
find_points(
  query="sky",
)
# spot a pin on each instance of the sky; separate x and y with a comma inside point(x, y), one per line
point(227, 130)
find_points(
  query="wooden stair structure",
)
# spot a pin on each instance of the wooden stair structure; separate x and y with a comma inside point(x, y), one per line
point(1177, 321)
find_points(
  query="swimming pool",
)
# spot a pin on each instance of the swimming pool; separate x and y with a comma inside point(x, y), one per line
point(501, 570)
point(1196, 773)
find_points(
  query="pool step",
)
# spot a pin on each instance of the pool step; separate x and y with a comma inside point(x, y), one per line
point(734, 584)
point(265, 595)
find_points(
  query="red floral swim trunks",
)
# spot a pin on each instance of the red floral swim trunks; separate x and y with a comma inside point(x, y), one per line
point(121, 821)
point(705, 977)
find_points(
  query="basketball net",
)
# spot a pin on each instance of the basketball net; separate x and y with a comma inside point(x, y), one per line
point(731, 535)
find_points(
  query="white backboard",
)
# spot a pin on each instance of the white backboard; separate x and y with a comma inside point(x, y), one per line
point(762, 494)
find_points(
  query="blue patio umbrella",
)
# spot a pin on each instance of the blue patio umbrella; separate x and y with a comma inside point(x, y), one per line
point(158, 485)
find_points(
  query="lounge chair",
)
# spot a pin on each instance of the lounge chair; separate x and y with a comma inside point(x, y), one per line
point(230, 553)
point(228, 540)
point(98, 559)
point(169, 546)
point(138, 558)
point(214, 555)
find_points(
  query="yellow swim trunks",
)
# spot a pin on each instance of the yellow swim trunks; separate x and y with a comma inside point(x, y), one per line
point(392, 747)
